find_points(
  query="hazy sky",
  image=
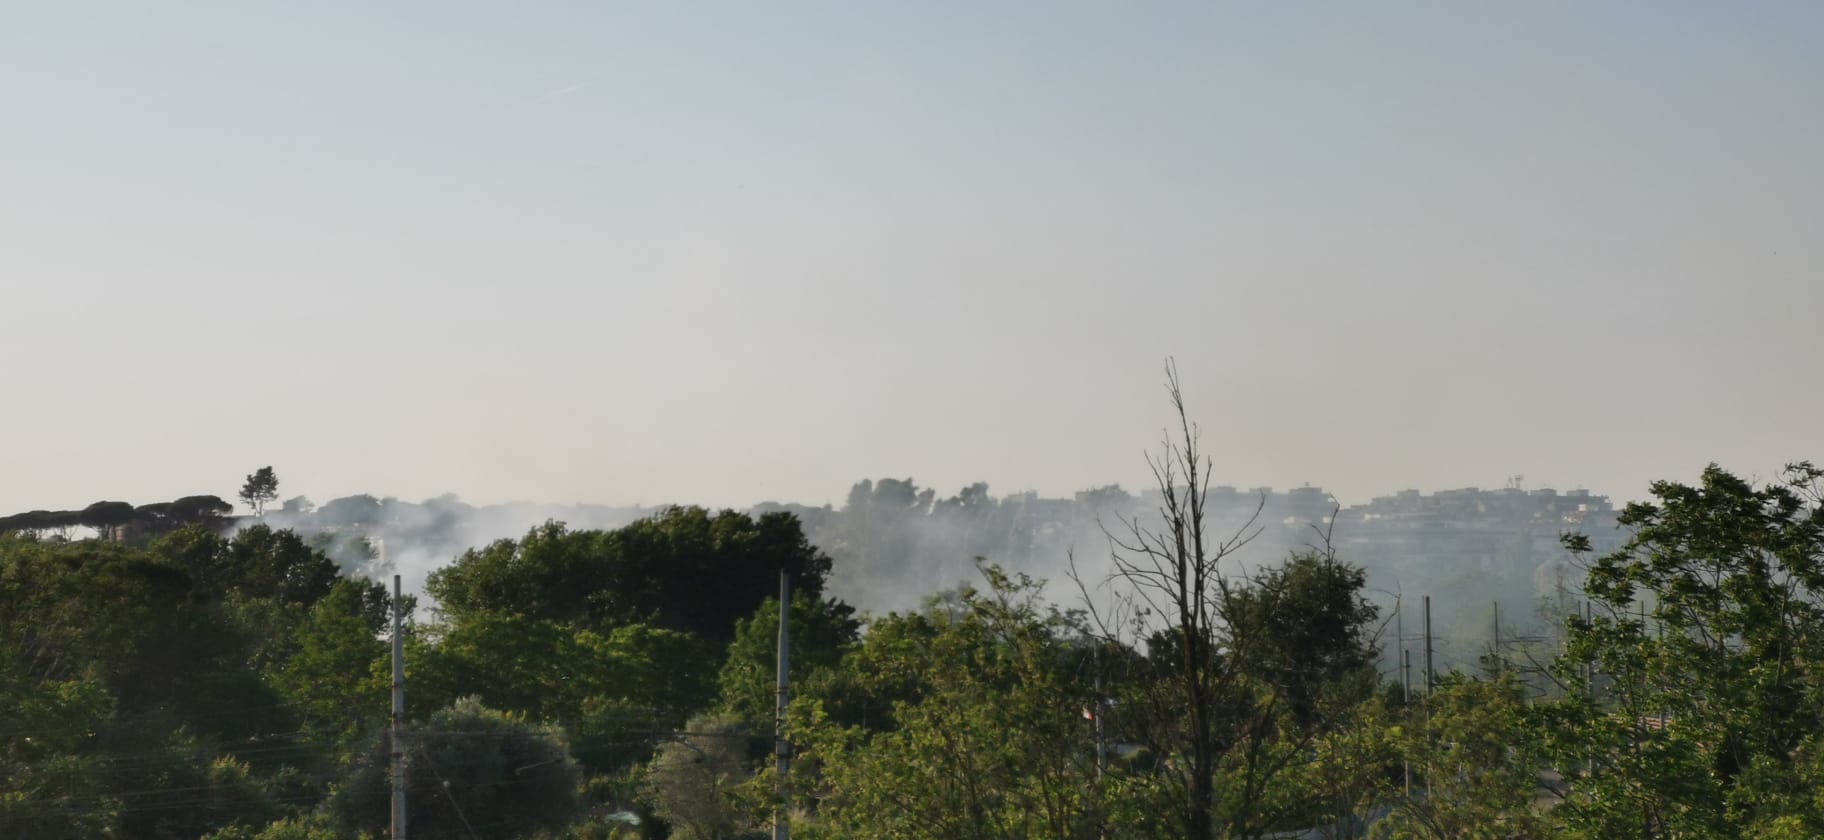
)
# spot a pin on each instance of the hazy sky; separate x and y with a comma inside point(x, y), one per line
point(732, 252)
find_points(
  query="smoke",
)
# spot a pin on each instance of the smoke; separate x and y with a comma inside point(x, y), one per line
point(380, 537)
point(1477, 553)
point(1483, 556)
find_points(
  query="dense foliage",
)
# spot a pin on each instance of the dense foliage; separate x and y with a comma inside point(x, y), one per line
point(185, 683)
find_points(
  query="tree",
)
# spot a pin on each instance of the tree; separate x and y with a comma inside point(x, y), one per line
point(1476, 775)
point(1693, 692)
point(261, 487)
point(683, 569)
point(985, 737)
point(133, 708)
point(38, 520)
point(692, 783)
point(105, 517)
point(1353, 769)
point(1238, 663)
point(210, 512)
point(258, 562)
point(470, 768)
point(352, 553)
point(1310, 628)
point(357, 511)
point(331, 676)
point(550, 671)
point(822, 631)
point(1177, 595)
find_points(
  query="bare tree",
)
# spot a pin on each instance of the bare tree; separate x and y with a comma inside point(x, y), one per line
point(1170, 594)
point(1175, 587)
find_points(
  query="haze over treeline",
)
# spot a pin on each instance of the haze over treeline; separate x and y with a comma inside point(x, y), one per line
point(1191, 660)
point(1487, 557)
point(176, 671)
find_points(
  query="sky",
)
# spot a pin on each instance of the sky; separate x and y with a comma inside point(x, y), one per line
point(731, 252)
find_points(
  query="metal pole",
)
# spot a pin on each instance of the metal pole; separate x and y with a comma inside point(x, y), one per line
point(1399, 625)
point(1430, 675)
point(1406, 668)
point(398, 735)
point(1430, 686)
point(1406, 657)
point(782, 750)
point(1497, 630)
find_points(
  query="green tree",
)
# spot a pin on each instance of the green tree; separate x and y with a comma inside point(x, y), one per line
point(52, 783)
point(288, 828)
point(1348, 771)
point(547, 670)
point(472, 771)
point(168, 730)
point(105, 517)
point(695, 780)
point(260, 488)
point(822, 631)
point(1693, 693)
point(330, 674)
point(988, 738)
point(208, 512)
point(683, 569)
point(1476, 776)
point(258, 562)
point(1309, 627)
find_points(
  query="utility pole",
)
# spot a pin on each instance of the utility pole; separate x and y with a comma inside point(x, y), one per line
point(398, 735)
point(1399, 622)
point(1429, 674)
point(782, 750)
point(1406, 668)
point(1497, 630)
point(1430, 686)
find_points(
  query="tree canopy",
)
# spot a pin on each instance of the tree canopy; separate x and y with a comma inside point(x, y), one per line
point(684, 569)
point(261, 487)
point(184, 681)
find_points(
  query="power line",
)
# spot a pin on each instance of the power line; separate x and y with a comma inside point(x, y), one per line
point(449, 794)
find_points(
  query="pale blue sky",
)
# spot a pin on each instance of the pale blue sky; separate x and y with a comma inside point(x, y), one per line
point(732, 252)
